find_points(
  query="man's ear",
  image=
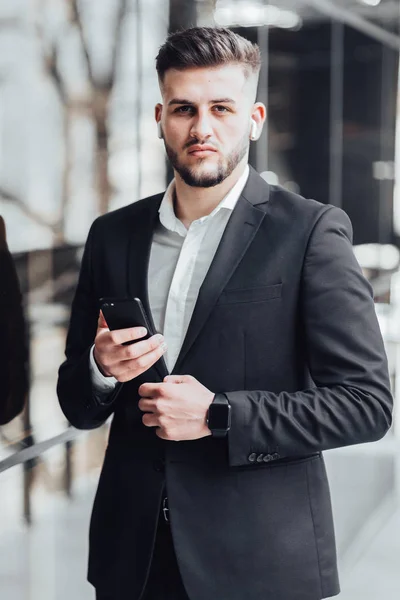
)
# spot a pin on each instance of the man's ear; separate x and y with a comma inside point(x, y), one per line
point(157, 114)
point(258, 116)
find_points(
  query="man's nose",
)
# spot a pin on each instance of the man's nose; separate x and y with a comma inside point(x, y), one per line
point(201, 127)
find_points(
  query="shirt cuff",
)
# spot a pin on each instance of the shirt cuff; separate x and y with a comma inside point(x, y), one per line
point(101, 385)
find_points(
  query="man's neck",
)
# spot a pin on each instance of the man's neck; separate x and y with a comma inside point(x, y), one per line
point(192, 203)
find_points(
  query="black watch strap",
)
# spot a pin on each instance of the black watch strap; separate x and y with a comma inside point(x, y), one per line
point(220, 399)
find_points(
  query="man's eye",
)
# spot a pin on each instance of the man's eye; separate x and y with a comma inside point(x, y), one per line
point(221, 109)
point(184, 109)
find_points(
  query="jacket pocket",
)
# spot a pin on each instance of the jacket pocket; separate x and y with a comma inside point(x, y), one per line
point(257, 294)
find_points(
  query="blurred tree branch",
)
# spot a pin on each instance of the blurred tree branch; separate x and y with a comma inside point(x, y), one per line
point(50, 57)
point(94, 102)
point(76, 20)
point(100, 98)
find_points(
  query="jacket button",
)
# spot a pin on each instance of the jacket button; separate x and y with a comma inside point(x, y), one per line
point(275, 456)
point(267, 458)
point(260, 458)
point(159, 466)
point(252, 457)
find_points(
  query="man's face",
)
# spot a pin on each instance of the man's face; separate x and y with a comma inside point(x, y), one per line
point(205, 121)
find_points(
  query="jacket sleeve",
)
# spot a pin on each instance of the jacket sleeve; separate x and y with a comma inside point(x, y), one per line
point(81, 406)
point(14, 347)
point(351, 402)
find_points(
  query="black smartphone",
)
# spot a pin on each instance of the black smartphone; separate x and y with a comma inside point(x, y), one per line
point(123, 313)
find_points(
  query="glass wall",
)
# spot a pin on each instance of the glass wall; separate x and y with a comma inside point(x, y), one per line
point(77, 139)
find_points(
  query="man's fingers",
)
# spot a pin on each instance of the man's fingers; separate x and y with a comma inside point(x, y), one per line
point(127, 361)
point(175, 379)
point(150, 420)
point(128, 369)
point(150, 390)
point(142, 349)
point(120, 336)
point(146, 405)
point(160, 433)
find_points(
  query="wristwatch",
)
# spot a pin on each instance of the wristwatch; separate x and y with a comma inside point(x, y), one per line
point(219, 416)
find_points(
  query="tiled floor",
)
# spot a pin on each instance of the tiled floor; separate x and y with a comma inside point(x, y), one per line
point(48, 561)
point(377, 574)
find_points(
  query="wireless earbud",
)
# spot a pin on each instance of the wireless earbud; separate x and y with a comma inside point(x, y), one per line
point(159, 130)
point(253, 131)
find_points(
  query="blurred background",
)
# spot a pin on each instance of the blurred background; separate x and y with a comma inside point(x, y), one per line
point(77, 138)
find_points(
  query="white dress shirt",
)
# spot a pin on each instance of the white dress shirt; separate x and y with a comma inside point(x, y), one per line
point(179, 261)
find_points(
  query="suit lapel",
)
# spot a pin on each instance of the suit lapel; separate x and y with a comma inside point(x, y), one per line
point(239, 233)
point(143, 225)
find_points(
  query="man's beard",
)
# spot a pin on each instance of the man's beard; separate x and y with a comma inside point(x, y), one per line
point(206, 180)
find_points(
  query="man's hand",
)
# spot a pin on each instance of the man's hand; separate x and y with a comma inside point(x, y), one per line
point(177, 407)
point(125, 362)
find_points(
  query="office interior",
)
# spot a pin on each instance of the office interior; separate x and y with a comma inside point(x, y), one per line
point(78, 139)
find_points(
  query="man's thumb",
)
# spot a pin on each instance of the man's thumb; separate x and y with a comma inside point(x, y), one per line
point(101, 323)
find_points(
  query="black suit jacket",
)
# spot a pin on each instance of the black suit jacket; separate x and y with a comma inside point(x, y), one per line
point(14, 353)
point(284, 325)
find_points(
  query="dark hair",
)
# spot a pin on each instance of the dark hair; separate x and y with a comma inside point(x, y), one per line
point(207, 47)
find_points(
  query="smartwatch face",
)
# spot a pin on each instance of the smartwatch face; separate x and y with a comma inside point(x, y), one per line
point(219, 417)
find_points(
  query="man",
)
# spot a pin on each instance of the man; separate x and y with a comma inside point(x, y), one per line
point(213, 485)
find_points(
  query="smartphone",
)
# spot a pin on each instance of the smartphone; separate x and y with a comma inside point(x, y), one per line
point(124, 313)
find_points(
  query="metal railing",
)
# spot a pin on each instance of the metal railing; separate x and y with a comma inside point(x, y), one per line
point(26, 456)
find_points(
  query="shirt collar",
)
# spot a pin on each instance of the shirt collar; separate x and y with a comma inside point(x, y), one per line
point(167, 214)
